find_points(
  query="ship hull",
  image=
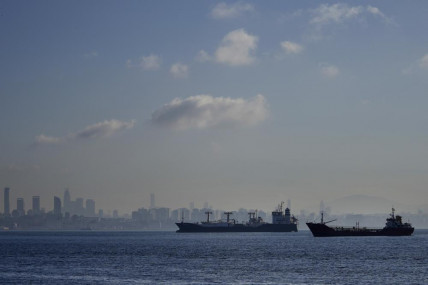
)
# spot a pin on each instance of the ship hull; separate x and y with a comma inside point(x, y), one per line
point(198, 228)
point(321, 230)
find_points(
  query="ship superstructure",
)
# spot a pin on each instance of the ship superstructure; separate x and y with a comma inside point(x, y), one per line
point(282, 221)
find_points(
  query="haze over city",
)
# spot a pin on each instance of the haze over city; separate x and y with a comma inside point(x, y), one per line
point(234, 104)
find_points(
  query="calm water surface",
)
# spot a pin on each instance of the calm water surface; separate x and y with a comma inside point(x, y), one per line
point(220, 258)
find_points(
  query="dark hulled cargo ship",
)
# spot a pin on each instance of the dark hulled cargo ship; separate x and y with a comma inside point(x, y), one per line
point(282, 221)
point(394, 227)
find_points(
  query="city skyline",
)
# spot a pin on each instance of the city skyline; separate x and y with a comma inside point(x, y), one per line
point(356, 204)
point(235, 104)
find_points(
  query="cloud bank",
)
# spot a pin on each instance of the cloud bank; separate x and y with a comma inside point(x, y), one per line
point(237, 48)
point(229, 11)
point(101, 129)
point(205, 111)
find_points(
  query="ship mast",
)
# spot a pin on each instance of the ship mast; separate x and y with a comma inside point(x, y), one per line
point(227, 215)
point(208, 216)
point(252, 215)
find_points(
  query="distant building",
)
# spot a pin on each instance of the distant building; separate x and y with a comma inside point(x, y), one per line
point(115, 214)
point(100, 213)
point(57, 206)
point(78, 207)
point(67, 201)
point(180, 214)
point(152, 201)
point(162, 214)
point(20, 206)
point(6, 201)
point(36, 205)
point(142, 215)
point(90, 208)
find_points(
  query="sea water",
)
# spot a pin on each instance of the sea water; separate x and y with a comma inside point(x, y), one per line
point(88, 257)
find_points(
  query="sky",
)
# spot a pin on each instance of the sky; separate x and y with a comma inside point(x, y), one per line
point(237, 104)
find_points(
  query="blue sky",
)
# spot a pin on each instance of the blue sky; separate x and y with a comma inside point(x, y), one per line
point(240, 104)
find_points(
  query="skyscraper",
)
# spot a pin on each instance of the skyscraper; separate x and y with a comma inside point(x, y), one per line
point(6, 201)
point(78, 207)
point(152, 201)
point(90, 208)
point(57, 206)
point(36, 205)
point(20, 206)
point(67, 201)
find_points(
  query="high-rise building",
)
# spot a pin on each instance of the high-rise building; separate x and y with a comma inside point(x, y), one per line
point(162, 214)
point(152, 201)
point(115, 214)
point(67, 201)
point(6, 201)
point(36, 205)
point(57, 206)
point(20, 206)
point(90, 208)
point(78, 207)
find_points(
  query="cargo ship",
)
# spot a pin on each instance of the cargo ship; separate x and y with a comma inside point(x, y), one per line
point(282, 221)
point(394, 227)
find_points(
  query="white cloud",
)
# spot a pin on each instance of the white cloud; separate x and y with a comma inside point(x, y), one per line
point(290, 47)
point(329, 71)
point(151, 62)
point(337, 13)
point(341, 12)
point(91, 54)
point(102, 129)
point(414, 67)
point(205, 111)
point(376, 12)
point(228, 11)
point(42, 139)
point(237, 48)
point(179, 70)
point(423, 62)
point(203, 56)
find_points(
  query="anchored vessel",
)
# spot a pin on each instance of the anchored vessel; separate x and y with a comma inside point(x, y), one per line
point(393, 227)
point(282, 221)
